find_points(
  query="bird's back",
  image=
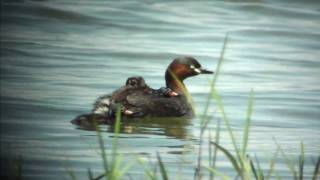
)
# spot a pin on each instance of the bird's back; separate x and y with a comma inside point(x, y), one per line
point(157, 105)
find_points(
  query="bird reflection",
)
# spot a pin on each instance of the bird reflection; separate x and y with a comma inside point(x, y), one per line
point(170, 127)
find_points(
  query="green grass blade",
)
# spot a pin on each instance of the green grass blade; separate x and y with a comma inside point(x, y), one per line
point(103, 152)
point(71, 174)
point(154, 172)
point(232, 159)
point(272, 163)
point(149, 173)
point(260, 171)
point(116, 132)
point(256, 170)
point(316, 170)
point(215, 78)
point(288, 162)
point(211, 175)
point(116, 167)
point(216, 172)
point(162, 168)
point(118, 121)
point(247, 124)
point(204, 120)
point(245, 168)
point(197, 174)
point(301, 162)
point(100, 176)
point(115, 157)
point(215, 151)
point(125, 169)
point(219, 103)
point(90, 176)
point(221, 58)
point(255, 173)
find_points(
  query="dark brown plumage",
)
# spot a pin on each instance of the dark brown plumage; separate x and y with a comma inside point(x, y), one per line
point(137, 99)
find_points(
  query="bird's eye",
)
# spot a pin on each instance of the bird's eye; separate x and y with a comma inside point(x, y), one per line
point(192, 66)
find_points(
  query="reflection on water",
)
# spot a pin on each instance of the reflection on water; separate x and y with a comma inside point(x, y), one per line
point(176, 128)
point(170, 127)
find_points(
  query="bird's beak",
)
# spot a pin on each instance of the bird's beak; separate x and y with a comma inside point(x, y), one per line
point(204, 71)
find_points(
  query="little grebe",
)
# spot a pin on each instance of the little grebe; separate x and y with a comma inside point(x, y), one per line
point(137, 99)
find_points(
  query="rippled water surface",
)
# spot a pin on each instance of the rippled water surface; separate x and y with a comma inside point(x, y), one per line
point(57, 57)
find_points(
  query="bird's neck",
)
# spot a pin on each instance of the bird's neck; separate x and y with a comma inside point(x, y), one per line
point(175, 82)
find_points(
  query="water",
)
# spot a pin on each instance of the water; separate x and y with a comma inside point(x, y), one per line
point(57, 57)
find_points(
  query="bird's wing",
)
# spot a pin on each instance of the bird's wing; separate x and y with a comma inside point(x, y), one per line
point(158, 105)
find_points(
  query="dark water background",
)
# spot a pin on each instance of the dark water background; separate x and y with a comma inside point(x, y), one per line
point(58, 56)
